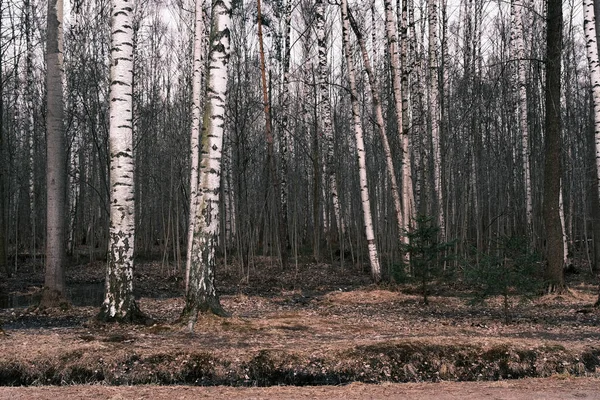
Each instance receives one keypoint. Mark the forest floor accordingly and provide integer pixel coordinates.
(314, 324)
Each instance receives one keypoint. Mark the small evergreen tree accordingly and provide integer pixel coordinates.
(512, 269)
(427, 254)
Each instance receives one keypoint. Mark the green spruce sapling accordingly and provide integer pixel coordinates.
(510, 269)
(427, 254)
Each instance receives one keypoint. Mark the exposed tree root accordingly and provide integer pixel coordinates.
(189, 315)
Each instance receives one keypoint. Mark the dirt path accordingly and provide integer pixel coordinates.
(526, 389)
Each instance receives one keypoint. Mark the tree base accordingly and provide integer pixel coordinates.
(52, 298)
(133, 316)
(189, 315)
(554, 288)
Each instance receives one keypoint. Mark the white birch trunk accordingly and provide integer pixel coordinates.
(197, 77)
(325, 106)
(434, 113)
(30, 123)
(360, 149)
(74, 178)
(392, 38)
(408, 196)
(561, 212)
(521, 83)
(379, 121)
(589, 22)
(119, 302)
(201, 294)
(283, 228)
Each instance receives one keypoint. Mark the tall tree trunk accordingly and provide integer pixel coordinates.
(392, 39)
(56, 175)
(119, 303)
(435, 114)
(325, 107)
(360, 148)
(552, 162)
(74, 181)
(29, 87)
(197, 97)
(287, 54)
(590, 24)
(269, 133)
(202, 294)
(520, 79)
(379, 121)
(407, 67)
(3, 261)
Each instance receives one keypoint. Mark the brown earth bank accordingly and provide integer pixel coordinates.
(560, 388)
(316, 324)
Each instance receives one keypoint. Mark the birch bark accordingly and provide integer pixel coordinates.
(202, 294)
(287, 53)
(590, 25)
(197, 81)
(520, 78)
(3, 260)
(30, 122)
(119, 303)
(360, 148)
(325, 106)
(589, 22)
(379, 121)
(396, 71)
(435, 115)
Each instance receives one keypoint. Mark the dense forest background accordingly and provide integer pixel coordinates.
(465, 114)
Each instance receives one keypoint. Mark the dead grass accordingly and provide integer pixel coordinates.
(303, 336)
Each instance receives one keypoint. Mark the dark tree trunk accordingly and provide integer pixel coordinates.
(3, 263)
(56, 174)
(552, 162)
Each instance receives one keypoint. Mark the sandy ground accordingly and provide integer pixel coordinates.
(526, 389)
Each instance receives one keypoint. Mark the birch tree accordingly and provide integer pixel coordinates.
(360, 147)
(56, 174)
(434, 114)
(284, 142)
(3, 261)
(29, 98)
(396, 71)
(197, 81)
(520, 78)
(119, 303)
(591, 42)
(325, 106)
(201, 294)
(589, 21)
(379, 121)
